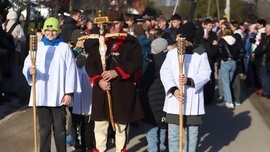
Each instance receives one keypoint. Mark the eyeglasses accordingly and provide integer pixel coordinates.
(50, 31)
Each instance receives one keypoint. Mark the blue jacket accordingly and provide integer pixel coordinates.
(146, 49)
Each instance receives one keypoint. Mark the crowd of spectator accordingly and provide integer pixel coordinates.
(236, 51)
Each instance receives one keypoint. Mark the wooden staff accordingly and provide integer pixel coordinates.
(181, 48)
(100, 20)
(33, 52)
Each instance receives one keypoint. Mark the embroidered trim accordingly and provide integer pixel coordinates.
(115, 53)
(93, 79)
(123, 74)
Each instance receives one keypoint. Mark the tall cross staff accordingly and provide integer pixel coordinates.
(100, 21)
(181, 48)
(33, 52)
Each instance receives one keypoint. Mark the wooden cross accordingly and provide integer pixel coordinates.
(100, 21)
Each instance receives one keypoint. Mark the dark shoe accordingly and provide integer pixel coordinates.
(265, 95)
(220, 99)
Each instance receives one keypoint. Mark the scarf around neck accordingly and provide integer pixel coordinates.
(54, 42)
(118, 42)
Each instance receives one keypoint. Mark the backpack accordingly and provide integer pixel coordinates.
(10, 37)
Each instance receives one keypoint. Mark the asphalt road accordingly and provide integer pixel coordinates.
(243, 129)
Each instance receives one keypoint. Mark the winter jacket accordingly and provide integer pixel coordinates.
(17, 33)
(153, 93)
(229, 42)
(262, 55)
(125, 57)
(68, 27)
(146, 49)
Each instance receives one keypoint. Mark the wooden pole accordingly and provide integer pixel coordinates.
(100, 20)
(181, 47)
(175, 7)
(208, 8)
(33, 51)
(218, 11)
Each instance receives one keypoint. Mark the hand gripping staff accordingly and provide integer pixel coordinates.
(181, 48)
(33, 52)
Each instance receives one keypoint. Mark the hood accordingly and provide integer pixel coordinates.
(229, 39)
(261, 30)
(239, 31)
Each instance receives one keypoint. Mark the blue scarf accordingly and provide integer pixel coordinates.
(54, 42)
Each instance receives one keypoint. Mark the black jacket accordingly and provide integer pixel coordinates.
(153, 93)
(4, 43)
(226, 50)
(262, 52)
(68, 27)
(211, 50)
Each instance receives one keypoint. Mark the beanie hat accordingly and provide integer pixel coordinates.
(158, 45)
(76, 34)
(138, 29)
(12, 15)
(115, 15)
(51, 23)
(188, 30)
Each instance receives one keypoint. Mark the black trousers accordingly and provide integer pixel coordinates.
(52, 118)
(86, 126)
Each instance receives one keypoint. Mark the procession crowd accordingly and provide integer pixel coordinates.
(108, 76)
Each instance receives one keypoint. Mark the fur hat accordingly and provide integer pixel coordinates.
(76, 34)
(12, 15)
(115, 15)
(158, 45)
(139, 29)
(51, 23)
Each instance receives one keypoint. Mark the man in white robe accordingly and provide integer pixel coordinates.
(196, 73)
(56, 81)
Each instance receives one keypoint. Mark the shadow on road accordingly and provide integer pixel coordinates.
(220, 127)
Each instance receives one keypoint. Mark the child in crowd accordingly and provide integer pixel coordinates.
(57, 80)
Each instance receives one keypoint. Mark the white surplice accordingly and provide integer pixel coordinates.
(82, 104)
(56, 74)
(196, 66)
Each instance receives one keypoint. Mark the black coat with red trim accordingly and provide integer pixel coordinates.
(126, 60)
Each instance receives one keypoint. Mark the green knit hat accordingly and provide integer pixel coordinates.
(51, 23)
